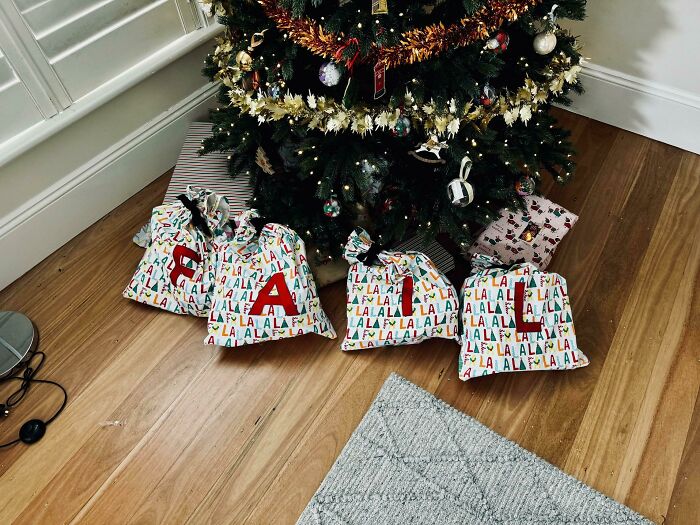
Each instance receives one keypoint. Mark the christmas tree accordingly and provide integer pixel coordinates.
(410, 116)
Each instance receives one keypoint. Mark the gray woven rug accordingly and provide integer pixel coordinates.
(414, 459)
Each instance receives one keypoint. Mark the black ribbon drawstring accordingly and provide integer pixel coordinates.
(258, 223)
(504, 266)
(198, 221)
(369, 257)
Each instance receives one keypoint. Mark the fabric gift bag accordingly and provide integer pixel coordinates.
(531, 235)
(402, 299)
(515, 318)
(177, 270)
(264, 288)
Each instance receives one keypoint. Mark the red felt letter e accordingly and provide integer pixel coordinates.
(283, 297)
(179, 253)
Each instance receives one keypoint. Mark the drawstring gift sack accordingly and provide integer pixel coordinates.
(515, 318)
(177, 270)
(264, 288)
(395, 298)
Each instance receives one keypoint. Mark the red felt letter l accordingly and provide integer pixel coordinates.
(407, 297)
(522, 326)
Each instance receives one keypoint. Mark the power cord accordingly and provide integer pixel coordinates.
(34, 429)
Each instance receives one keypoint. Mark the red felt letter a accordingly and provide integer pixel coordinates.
(522, 326)
(179, 253)
(283, 297)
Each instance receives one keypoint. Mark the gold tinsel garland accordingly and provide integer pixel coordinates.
(327, 115)
(415, 45)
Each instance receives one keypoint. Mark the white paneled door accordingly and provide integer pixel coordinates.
(55, 52)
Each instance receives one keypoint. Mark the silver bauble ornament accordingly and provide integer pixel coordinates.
(488, 95)
(545, 43)
(525, 185)
(274, 90)
(402, 127)
(329, 74)
(331, 208)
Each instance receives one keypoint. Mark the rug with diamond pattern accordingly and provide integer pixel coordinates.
(415, 460)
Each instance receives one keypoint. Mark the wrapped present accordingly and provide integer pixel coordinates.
(515, 318)
(530, 235)
(395, 298)
(328, 271)
(206, 171)
(264, 288)
(177, 271)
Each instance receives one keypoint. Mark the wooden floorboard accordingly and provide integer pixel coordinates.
(209, 435)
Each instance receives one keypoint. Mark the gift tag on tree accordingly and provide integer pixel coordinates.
(395, 298)
(515, 319)
(380, 7)
(379, 80)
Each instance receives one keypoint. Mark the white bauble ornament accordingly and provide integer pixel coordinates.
(460, 192)
(545, 43)
(329, 74)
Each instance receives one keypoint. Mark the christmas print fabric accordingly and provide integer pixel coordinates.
(177, 271)
(264, 288)
(516, 319)
(402, 299)
(530, 235)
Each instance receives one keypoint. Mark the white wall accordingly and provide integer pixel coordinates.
(61, 186)
(643, 75)
(644, 70)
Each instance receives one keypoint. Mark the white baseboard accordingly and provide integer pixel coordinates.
(57, 214)
(647, 108)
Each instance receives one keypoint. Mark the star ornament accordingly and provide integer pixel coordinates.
(433, 145)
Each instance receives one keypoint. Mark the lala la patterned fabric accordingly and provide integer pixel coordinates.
(403, 299)
(177, 271)
(516, 319)
(531, 235)
(264, 288)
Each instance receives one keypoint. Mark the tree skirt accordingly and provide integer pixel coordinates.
(414, 459)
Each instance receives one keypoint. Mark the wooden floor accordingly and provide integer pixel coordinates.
(209, 435)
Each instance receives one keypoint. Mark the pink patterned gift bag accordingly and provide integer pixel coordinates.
(177, 270)
(531, 235)
(515, 318)
(264, 288)
(395, 298)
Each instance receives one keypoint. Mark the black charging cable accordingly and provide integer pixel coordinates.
(34, 429)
